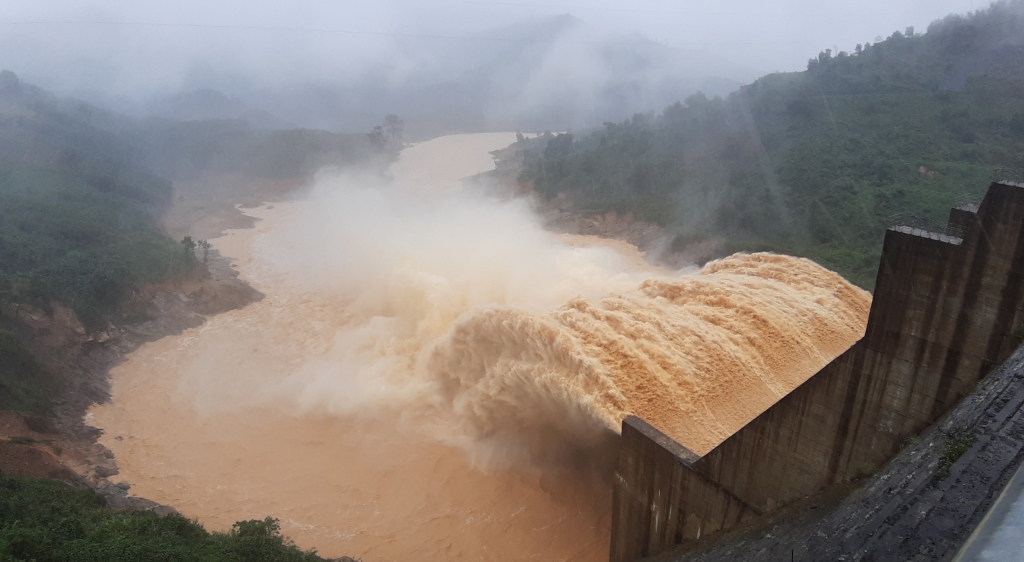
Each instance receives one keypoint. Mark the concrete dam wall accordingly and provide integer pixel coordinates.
(947, 309)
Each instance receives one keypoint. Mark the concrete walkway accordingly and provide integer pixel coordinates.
(911, 511)
(1000, 536)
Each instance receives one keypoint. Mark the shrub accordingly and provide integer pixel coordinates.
(45, 520)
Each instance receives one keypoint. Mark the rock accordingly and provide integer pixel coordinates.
(105, 471)
(164, 510)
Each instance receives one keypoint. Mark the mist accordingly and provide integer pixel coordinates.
(387, 279)
(523, 347)
(400, 266)
(444, 66)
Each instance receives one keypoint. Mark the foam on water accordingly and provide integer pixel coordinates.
(431, 374)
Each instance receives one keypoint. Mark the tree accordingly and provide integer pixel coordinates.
(520, 137)
(377, 138)
(204, 245)
(394, 127)
(559, 147)
(696, 100)
(25, 289)
(189, 247)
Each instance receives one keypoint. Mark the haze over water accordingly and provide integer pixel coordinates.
(361, 484)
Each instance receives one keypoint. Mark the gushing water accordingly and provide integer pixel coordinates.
(433, 375)
(697, 357)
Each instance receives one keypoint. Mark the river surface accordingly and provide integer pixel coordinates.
(433, 375)
(187, 432)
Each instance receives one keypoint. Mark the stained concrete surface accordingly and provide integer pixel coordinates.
(1000, 536)
(909, 510)
(946, 311)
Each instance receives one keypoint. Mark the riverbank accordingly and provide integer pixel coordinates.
(64, 445)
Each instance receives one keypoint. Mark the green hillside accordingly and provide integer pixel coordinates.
(82, 191)
(77, 214)
(814, 163)
(25, 386)
(188, 149)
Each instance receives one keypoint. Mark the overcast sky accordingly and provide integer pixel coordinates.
(135, 48)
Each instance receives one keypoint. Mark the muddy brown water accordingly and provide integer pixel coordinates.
(422, 356)
(359, 485)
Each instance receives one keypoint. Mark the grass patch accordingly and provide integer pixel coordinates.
(867, 469)
(957, 442)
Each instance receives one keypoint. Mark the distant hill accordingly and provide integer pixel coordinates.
(207, 104)
(576, 76)
(188, 149)
(82, 191)
(77, 212)
(553, 73)
(814, 163)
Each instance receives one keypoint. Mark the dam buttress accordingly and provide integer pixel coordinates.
(948, 308)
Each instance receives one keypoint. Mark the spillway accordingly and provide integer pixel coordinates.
(433, 375)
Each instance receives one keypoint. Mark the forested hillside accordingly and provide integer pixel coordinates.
(814, 163)
(187, 149)
(77, 214)
(82, 192)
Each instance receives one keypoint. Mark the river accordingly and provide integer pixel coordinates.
(187, 432)
(433, 375)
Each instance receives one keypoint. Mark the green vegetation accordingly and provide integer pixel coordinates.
(24, 385)
(81, 191)
(80, 201)
(815, 163)
(77, 217)
(957, 442)
(45, 521)
(189, 149)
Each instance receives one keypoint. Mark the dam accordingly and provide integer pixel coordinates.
(948, 308)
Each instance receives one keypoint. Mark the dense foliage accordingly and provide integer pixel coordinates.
(44, 521)
(81, 191)
(189, 149)
(24, 385)
(814, 163)
(77, 217)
